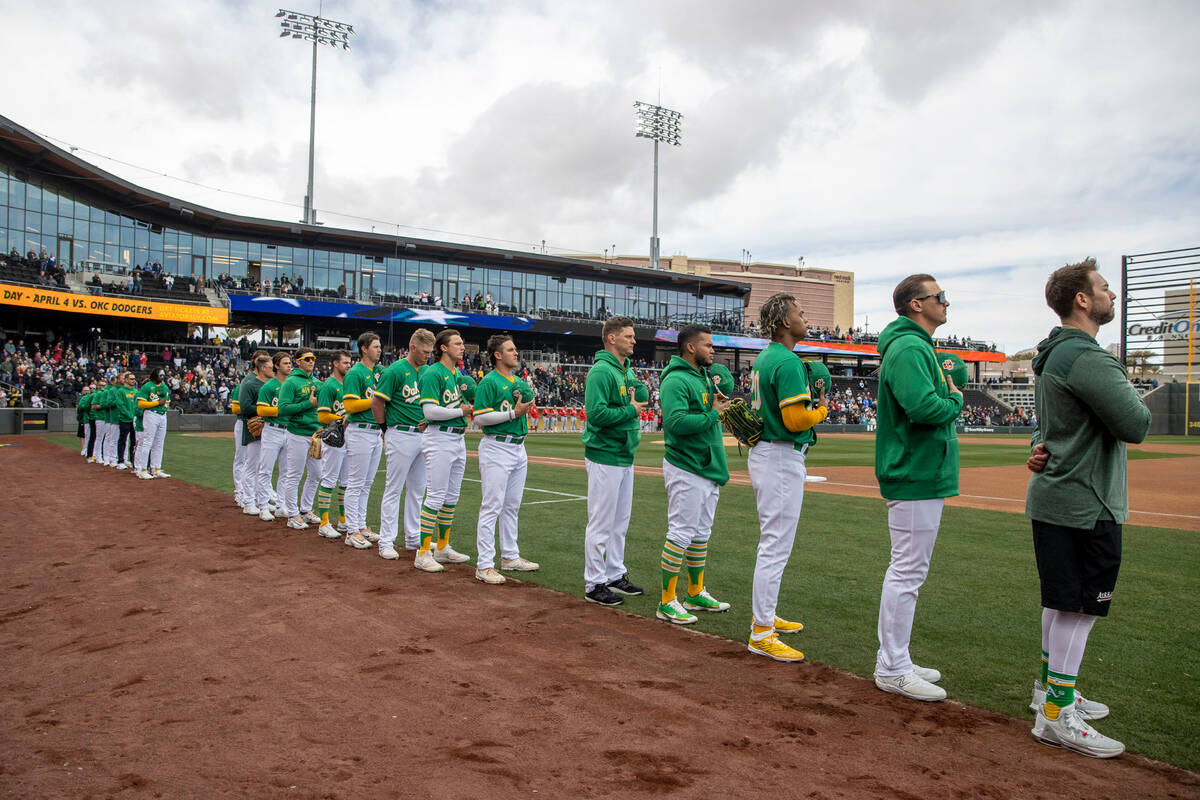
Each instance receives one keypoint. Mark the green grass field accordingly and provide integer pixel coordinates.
(979, 615)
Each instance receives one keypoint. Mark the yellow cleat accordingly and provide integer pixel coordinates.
(771, 647)
(784, 626)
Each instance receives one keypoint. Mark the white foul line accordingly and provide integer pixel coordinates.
(567, 496)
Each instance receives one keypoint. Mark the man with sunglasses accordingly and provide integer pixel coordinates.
(916, 463)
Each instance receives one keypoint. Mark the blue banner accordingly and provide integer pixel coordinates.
(752, 343)
(441, 317)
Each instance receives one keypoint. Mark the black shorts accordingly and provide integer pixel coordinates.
(1078, 566)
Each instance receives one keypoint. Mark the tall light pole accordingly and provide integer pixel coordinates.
(317, 30)
(659, 125)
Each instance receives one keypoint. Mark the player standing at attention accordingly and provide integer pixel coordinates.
(445, 452)
(154, 398)
(1078, 497)
(503, 402)
(780, 394)
(262, 370)
(312, 467)
(694, 468)
(126, 413)
(722, 380)
(916, 464)
(107, 405)
(83, 414)
(239, 455)
(274, 437)
(298, 406)
(362, 435)
(397, 404)
(333, 459)
(608, 447)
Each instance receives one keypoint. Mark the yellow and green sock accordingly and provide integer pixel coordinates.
(445, 520)
(1045, 667)
(339, 498)
(429, 520)
(324, 499)
(672, 561)
(1060, 693)
(697, 556)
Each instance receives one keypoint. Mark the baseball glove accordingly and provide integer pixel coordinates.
(742, 422)
(255, 424)
(333, 434)
(314, 445)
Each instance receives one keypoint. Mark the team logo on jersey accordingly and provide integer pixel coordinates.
(948, 364)
(704, 398)
(819, 383)
(622, 389)
(409, 393)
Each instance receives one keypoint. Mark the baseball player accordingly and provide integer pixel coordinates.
(1078, 497)
(274, 436)
(87, 428)
(312, 470)
(362, 438)
(239, 455)
(608, 447)
(916, 463)
(262, 370)
(445, 452)
(153, 399)
(397, 404)
(502, 404)
(334, 470)
(298, 412)
(126, 413)
(781, 396)
(106, 404)
(694, 468)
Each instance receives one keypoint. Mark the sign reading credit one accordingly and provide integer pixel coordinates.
(111, 306)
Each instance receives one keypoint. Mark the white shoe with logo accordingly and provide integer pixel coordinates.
(448, 555)
(389, 553)
(927, 673)
(297, 523)
(329, 532)
(912, 686)
(1071, 732)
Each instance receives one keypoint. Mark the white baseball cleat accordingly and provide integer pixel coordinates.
(448, 555)
(297, 523)
(489, 575)
(357, 541)
(250, 509)
(927, 673)
(912, 686)
(122, 466)
(389, 553)
(310, 517)
(144, 475)
(266, 516)
(519, 564)
(158, 473)
(280, 513)
(329, 532)
(426, 562)
(1070, 732)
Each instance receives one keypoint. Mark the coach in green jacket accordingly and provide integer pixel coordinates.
(916, 463)
(608, 446)
(1078, 497)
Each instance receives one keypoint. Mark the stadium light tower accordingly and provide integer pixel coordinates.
(317, 30)
(657, 124)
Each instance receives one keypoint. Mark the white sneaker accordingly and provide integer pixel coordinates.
(426, 562)
(158, 473)
(329, 532)
(310, 517)
(448, 555)
(1088, 709)
(144, 475)
(237, 501)
(519, 564)
(927, 673)
(357, 541)
(343, 527)
(389, 553)
(266, 516)
(911, 686)
(280, 513)
(489, 575)
(370, 535)
(250, 509)
(1070, 732)
(122, 466)
(297, 523)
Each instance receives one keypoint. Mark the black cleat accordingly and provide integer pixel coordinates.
(602, 596)
(622, 586)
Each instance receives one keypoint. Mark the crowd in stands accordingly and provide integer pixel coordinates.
(994, 416)
(37, 268)
(149, 279)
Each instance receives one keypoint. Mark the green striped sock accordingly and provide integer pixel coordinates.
(697, 556)
(672, 560)
(429, 518)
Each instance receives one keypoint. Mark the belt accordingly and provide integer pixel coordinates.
(404, 428)
(366, 426)
(272, 424)
(448, 429)
(507, 439)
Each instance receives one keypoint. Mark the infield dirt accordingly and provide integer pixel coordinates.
(156, 642)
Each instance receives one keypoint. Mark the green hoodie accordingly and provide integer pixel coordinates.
(612, 433)
(691, 430)
(126, 403)
(83, 409)
(1086, 412)
(916, 448)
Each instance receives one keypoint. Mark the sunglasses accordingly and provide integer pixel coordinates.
(307, 358)
(940, 297)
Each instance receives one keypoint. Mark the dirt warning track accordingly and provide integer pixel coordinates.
(157, 643)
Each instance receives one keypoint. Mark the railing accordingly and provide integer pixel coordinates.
(122, 271)
(11, 389)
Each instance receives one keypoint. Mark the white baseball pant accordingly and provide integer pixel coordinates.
(334, 467)
(150, 441)
(239, 464)
(271, 445)
(250, 453)
(913, 525)
(312, 479)
(360, 451)
(108, 444)
(691, 506)
(502, 470)
(445, 463)
(405, 472)
(291, 467)
(610, 503)
(777, 474)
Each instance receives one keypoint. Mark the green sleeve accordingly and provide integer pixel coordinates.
(352, 386)
(791, 383)
(264, 396)
(1098, 379)
(599, 391)
(144, 391)
(908, 378)
(679, 420)
(431, 387)
(485, 397)
(325, 396)
(290, 403)
(247, 399)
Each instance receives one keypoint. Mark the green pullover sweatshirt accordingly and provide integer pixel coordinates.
(1086, 412)
(83, 409)
(126, 403)
(612, 433)
(691, 430)
(916, 448)
(296, 411)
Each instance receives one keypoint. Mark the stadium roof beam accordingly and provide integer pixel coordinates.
(657, 124)
(319, 31)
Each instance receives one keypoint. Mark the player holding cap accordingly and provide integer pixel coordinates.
(502, 408)
(397, 404)
(239, 455)
(694, 468)
(916, 463)
(445, 452)
(608, 448)
(298, 406)
(334, 472)
(780, 394)
(362, 437)
(262, 370)
(154, 398)
(722, 380)
(1078, 497)
(274, 437)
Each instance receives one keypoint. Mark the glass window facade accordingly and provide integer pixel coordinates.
(34, 216)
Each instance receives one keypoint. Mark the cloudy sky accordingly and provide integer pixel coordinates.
(984, 142)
